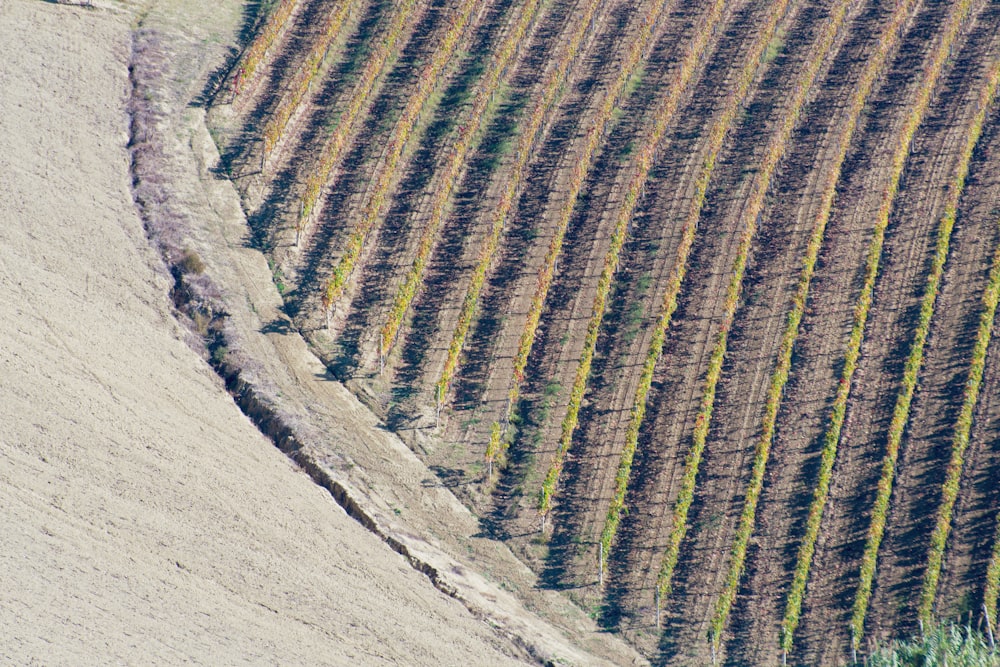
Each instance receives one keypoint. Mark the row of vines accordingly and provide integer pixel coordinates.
(376, 180)
(581, 167)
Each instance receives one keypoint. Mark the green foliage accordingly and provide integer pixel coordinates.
(703, 420)
(581, 168)
(192, 262)
(303, 78)
(273, 26)
(552, 91)
(754, 208)
(644, 163)
(993, 579)
(775, 46)
(468, 138)
(336, 141)
(428, 80)
(944, 646)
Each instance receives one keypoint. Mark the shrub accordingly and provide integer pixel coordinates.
(949, 645)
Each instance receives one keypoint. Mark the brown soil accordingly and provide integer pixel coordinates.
(724, 470)
(943, 378)
(587, 482)
(561, 336)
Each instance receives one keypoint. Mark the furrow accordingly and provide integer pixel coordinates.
(401, 23)
(376, 200)
(814, 427)
(793, 234)
(717, 135)
(302, 81)
(528, 140)
(753, 209)
(982, 101)
(247, 66)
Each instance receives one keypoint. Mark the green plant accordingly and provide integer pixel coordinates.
(219, 354)
(752, 211)
(774, 47)
(552, 91)
(993, 578)
(273, 26)
(303, 78)
(581, 167)
(944, 646)
(716, 137)
(376, 63)
(428, 80)
(191, 262)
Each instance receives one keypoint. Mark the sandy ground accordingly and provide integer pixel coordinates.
(145, 520)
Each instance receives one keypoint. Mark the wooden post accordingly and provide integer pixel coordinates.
(656, 596)
(298, 223)
(600, 565)
(989, 626)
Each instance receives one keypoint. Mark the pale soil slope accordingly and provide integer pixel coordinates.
(144, 519)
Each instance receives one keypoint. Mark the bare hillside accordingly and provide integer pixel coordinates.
(145, 520)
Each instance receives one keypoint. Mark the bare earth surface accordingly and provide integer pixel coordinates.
(145, 519)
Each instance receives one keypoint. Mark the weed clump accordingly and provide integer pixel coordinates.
(948, 644)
